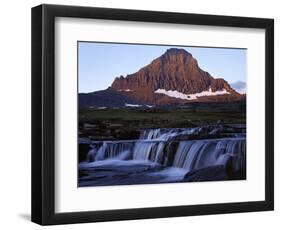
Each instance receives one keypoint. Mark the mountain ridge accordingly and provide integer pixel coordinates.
(173, 78)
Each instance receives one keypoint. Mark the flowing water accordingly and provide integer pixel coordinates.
(160, 155)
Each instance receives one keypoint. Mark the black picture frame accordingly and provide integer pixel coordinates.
(43, 114)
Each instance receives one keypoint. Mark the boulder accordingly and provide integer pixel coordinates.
(212, 173)
(83, 150)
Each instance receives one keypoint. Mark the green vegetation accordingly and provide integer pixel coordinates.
(126, 123)
(156, 118)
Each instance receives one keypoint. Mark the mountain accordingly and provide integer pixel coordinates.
(239, 86)
(173, 78)
(105, 98)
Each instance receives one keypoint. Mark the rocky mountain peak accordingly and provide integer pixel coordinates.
(175, 70)
(174, 56)
(176, 52)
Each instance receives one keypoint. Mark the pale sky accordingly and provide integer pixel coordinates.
(100, 63)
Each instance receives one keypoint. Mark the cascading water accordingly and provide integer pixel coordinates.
(198, 154)
(150, 134)
(144, 150)
(207, 153)
(194, 154)
(166, 134)
(113, 149)
(181, 153)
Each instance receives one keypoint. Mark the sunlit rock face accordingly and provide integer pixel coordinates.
(175, 71)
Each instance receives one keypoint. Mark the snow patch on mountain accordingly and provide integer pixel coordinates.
(132, 105)
(176, 94)
(126, 90)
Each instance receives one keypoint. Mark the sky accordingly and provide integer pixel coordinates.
(100, 63)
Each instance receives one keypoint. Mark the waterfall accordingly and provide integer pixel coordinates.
(148, 150)
(111, 149)
(181, 153)
(198, 154)
(153, 145)
(92, 154)
(159, 158)
(150, 134)
(166, 134)
(145, 150)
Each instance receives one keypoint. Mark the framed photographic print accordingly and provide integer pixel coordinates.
(142, 114)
